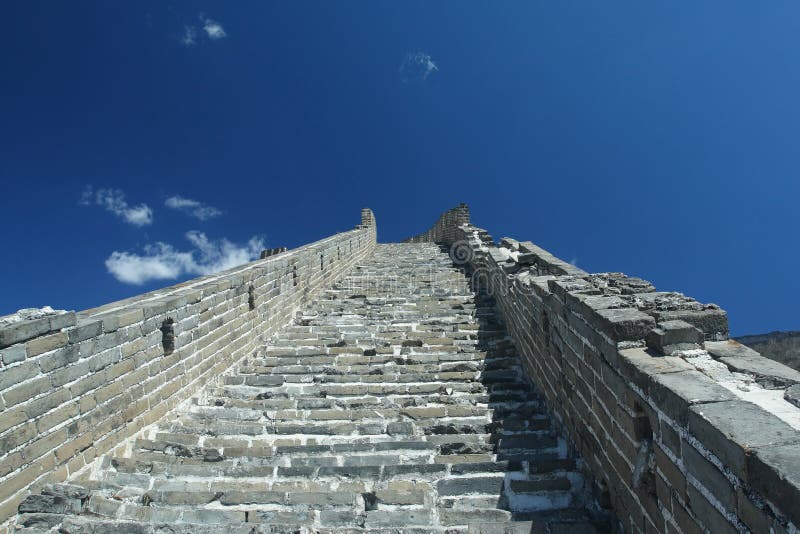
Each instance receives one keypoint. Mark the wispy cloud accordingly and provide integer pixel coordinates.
(416, 67)
(162, 261)
(195, 208)
(113, 200)
(213, 29)
(189, 36)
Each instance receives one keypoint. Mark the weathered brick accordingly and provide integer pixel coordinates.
(86, 384)
(709, 476)
(676, 393)
(11, 418)
(11, 376)
(774, 471)
(733, 430)
(672, 473)
(707, 515)
(26, 390)
(62, 376)
(44, 445)
(13, 354)
(59, 358)
(23, 331)
(43, 404)
(58, 416)
(47, 343)
(85, 329)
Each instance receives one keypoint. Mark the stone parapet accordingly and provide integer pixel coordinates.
(679, 428)
(74, 386)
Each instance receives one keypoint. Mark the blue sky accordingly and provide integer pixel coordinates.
(660, 140)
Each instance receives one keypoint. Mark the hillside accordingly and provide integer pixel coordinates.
(782, 347)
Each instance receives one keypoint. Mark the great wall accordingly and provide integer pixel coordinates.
(450, 383)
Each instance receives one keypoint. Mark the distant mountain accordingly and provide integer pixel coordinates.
(783, 347)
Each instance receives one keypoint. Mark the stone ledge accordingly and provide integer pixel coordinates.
(676, 394)
(733, 430)
(768, 373)
(774, 471)
(26, 330)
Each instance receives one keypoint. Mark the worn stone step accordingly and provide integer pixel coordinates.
(231, 498)
(191, 424)
(465, 517)
(159, 463)
(523, 423)
(92, 525)
(526, 441)
(385, 375)
(358, 389)
(389, 367)
(421, 414)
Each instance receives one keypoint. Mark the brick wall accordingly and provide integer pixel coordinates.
(445, 228)
(680, 429)
(74, 386)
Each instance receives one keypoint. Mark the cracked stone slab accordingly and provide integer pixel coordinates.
(767, 373)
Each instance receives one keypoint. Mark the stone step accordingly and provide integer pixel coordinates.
(191, 423)
(523, 441)
(395, 365)
(386, 375)
(462, 477)
(218, 397)
(346, 359)
(419, 414)
(361, 389)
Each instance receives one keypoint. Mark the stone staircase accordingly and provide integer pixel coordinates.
(395, 404)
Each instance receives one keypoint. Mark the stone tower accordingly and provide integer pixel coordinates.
(446, 384)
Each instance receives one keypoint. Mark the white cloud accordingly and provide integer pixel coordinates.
(113, 200)
(213, 29)
(195, 208)
(416, 67)
(162, 261)
(189, 36)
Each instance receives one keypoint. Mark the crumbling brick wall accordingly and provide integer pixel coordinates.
(640, 383)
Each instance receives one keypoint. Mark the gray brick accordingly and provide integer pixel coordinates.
(23, 331)
(11, 376)
(675, 393)
(85, 329)
(732, 430)
(13, 354)
(775, 472)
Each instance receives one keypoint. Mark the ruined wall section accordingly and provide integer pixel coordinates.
(74, 386)
(444, 231)
(679, 428)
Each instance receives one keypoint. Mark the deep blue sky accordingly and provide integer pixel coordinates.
(658, 139)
